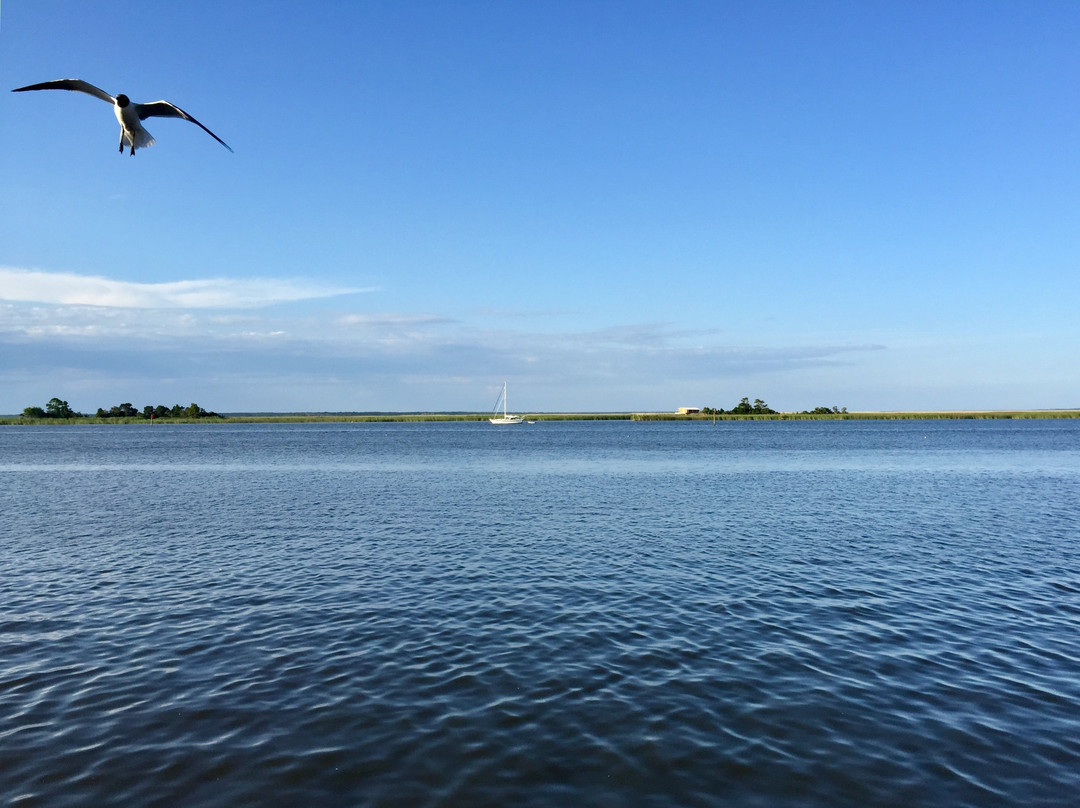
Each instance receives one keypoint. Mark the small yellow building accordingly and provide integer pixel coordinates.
(688, 410)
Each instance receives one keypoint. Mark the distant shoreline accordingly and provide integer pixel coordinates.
(435, 417)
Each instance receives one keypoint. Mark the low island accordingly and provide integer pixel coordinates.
(58, 411)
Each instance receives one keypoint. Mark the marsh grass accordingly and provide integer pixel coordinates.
(420, 417)
(865, 416)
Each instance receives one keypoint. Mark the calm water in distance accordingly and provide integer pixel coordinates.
(568, 613)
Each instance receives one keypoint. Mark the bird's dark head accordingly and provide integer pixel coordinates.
(122, 100)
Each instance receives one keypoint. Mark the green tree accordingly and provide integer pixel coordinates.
(743, 407)
(125, 410)
(34, 412)
(56, 408)
(826, 411)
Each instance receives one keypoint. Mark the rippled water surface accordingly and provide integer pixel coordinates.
(607, 613)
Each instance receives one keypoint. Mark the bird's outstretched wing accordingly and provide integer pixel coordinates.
(163, 109)
(70, 84)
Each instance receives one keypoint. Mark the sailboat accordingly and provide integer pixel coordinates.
(504, 419)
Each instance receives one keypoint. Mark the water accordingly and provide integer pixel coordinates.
(595, 614)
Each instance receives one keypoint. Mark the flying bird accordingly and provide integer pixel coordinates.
(130, 115)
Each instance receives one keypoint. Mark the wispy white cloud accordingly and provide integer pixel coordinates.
(70, 289)
(322, 359)
(102, 326)
(375, 319)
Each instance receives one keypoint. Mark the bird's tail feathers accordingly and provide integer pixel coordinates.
(142, 138)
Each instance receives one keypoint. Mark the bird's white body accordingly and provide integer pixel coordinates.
(129, 115)
(132, 133)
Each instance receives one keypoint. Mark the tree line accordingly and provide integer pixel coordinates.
(744, 407)
(58, 408)
(759, 407)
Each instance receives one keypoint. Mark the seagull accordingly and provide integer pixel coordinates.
(130, 115)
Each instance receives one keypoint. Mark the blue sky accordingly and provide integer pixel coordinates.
(612, 205)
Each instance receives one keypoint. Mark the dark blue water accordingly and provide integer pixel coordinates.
(595, 614)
